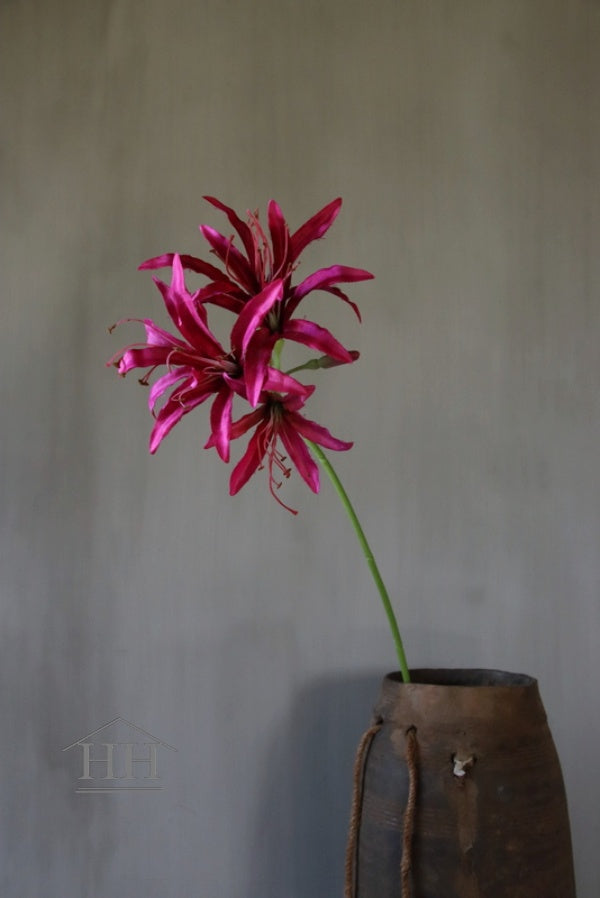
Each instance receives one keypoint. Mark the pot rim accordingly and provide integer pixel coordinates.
(475, 677)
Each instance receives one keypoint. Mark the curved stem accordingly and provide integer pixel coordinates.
(369, 557)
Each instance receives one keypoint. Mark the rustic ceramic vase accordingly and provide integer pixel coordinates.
(467, 756)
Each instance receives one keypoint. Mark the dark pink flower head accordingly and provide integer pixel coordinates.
(255, 282)
(197, 366)
(277, 421)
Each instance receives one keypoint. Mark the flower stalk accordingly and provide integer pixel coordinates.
(368, 554)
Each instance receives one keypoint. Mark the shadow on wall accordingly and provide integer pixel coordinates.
(304, 805)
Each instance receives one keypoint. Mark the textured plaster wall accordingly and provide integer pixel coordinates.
(464, 138)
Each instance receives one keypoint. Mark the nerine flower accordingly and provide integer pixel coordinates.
(277, 420)
(198, 367)
(255, 283)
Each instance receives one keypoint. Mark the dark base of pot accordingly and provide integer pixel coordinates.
(490, 818)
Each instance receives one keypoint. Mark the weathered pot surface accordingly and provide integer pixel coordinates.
(490, 818)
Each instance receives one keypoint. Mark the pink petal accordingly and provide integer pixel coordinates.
(314, 228)
(190, 262)
(157, 336)
(225, 294)
(240, 226)
(343, 296)
(280, 237)
(293, 402)
(189, 318)
(316, 433)
(249, 462)
(220, 422)
(168, 380)
(170, 415)
(324, 279)
(166, 420)
(310, 334)
(253, 313)
(279, 382)
(231, 257)
(299, 454)
(142, 357)
(246, 422)
(235, 384)
(256, 362)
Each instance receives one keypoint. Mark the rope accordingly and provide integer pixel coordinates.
(357, 790)
(357, 799)
(409, 814)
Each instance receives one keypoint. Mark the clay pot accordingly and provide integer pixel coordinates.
(490, 816)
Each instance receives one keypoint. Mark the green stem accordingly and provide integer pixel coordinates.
(369, 557)
(276, 355)
(311, 365)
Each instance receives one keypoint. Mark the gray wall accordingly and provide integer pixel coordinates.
(464, 138)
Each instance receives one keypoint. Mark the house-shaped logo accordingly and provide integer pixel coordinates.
(117, 757)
